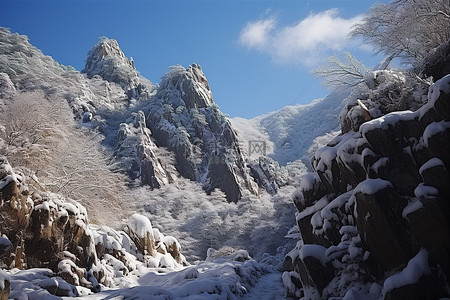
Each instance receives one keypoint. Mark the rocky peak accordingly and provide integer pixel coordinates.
(192, 83)
(107, 60)
(183, 117)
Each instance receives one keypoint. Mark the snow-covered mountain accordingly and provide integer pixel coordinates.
(290, 133)
(108, 143)
(111, 186)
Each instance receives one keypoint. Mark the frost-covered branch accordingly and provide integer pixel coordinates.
(406, 29)
(337, 73)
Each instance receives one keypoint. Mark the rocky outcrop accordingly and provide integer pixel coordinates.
(138, 153)
(192, 83)
(183, 118)
(46, 230)
(107, 60)
(375, 212)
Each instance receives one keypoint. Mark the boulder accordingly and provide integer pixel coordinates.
(314, 270)
(139, 228)
(377, 212)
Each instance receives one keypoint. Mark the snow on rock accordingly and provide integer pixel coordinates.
(383, 92)
(108, 60)
(140, 226)
(440, 86)
(140, 230)
(434, 129)
(417, 267)
(316, 251)
(183, 117)
(431, 164)
(139, 155)
(49, 230)
(372, 186)
(386, 185)
(425, 191)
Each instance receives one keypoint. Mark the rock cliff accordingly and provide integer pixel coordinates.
(45, 230)
(107, 60)
(374, 215)
(183, 117)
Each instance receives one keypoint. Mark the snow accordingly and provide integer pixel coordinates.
(3, 277)
(44, 206)
(217, 279)
(434, 91)
(199, 221)
(434, 129)
(293, 130)
(387, 121)
(316, 251)
(269, 287)
(287, 282)
(140, 225)
(372, 186)
(425, 191)
(314, 208)
(412, 207)
(434, 162)
(416, 267)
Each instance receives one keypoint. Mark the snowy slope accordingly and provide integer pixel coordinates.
(291, 131)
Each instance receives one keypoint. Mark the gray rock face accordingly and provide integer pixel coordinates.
(108, 60)
(192, 84)
(382, 194)
(136, 151)
(183, 118)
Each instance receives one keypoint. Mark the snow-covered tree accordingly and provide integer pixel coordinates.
(407, 29)
(337, 73)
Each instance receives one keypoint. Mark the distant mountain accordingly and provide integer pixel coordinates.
(290, 132)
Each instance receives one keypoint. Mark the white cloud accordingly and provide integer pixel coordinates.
(307, 41)
(256, 34)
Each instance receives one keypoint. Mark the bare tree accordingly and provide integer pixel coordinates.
(81, 169)
(40, 135)
(338, 73)
(26, 120)
(407, 29)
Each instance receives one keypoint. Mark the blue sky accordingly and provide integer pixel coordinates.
(255, 54)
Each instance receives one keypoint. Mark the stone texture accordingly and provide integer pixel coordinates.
(137, 153)
(183, 117)
(108, 60)
(388, 182)
(46, 230)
